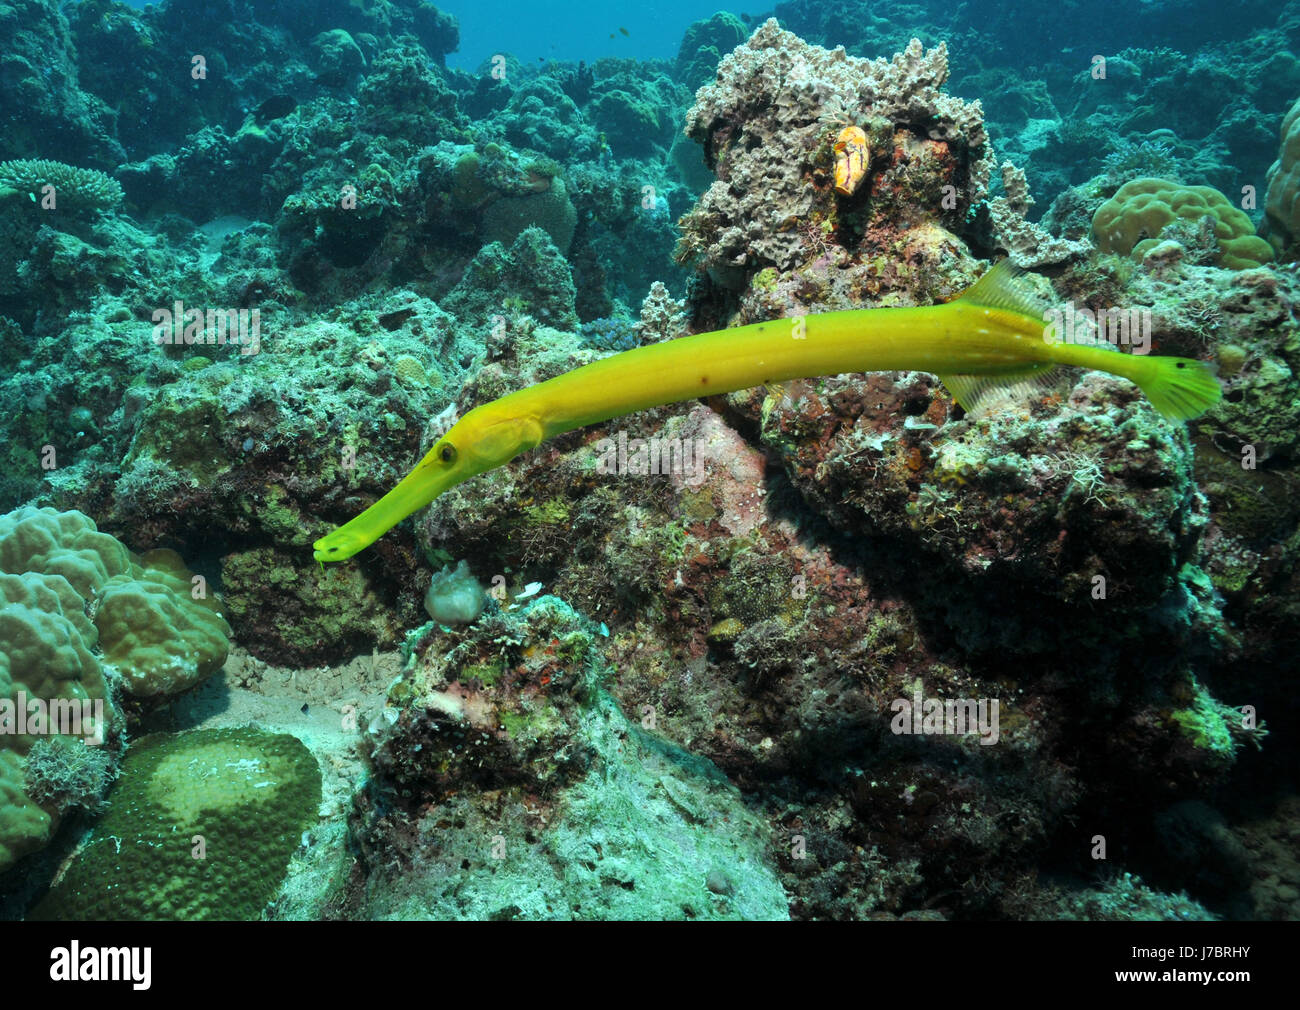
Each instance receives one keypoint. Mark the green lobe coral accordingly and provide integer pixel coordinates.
(246, 794)
(56, 568)
(1133, 220)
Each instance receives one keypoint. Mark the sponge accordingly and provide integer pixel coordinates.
(455, 597)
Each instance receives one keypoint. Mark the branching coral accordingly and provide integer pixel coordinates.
(76, 189)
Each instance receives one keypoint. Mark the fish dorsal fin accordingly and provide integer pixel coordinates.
(1002, 288)
(1020, 382)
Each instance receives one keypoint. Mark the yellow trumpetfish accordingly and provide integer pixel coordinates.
(992, 335)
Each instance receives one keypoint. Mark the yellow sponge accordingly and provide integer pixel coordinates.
(1131, 222)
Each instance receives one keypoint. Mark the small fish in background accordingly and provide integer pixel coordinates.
(622, 31)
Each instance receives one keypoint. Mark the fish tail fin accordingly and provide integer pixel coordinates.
(1179, 388)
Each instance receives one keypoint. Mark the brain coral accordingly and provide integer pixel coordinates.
(1132, 221)
(1282, 201)
(56, 568)
(202, 826)
(74, 188)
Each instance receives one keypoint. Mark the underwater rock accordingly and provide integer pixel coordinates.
(828, 557)
(541, 117)
(505, 219)
(662, 316)
(336, 58)
(501, 733)
(530, 276)
(1029, 245)
(760, 128)
(704, 45)
(46, 110)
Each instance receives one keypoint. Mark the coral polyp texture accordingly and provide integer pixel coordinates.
(81, 189)
(1282, 200)
(201, 826)
(157, 626)
(85, 623)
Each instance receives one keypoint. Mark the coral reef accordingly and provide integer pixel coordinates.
(832, 648)
(543, 789)
(158, 627)
(704, 45)
(1282, 200)
(87, 627)
(76, 188)
(755, 214)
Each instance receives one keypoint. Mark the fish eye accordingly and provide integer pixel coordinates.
(447, 453)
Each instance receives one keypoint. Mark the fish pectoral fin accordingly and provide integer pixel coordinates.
(1019, 381)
